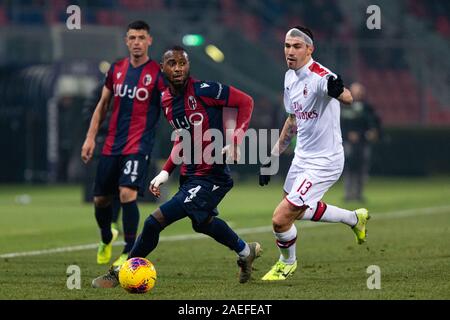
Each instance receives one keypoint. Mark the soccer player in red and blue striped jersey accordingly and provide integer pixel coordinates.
(134, 84)
(191, 105)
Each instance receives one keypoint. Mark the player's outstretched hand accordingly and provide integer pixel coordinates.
(264, 178)
(157, 181)
(335, 86)
(87, 151)
(232, 152)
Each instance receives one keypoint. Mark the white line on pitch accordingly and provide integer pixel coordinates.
(306, 224)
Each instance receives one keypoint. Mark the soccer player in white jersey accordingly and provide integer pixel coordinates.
(311, 97)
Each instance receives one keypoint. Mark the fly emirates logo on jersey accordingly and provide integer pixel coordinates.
(304, 115)
(121, 90)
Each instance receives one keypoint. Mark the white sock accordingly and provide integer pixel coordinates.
(328, 213)
(245, 252)
(286, 242)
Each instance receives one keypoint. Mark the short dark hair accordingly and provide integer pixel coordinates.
(305, 30)
(139, 25)
(174, 48)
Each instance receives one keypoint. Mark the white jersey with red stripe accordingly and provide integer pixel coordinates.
(319, 138)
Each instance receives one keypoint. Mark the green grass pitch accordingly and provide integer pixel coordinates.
(408, 239)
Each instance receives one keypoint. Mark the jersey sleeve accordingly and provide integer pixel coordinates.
(213, 93)
(287, 102)
(176, 151)
(109, 78)
(161, 84)
(286, 96)
(322, 83)
(244, 103)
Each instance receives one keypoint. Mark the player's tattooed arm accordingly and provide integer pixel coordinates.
(287, 133)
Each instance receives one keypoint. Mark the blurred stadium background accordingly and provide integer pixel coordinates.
(49, 74)
(49, 82)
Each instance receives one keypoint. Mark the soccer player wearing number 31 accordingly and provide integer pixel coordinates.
(134, 84)
(311, 97)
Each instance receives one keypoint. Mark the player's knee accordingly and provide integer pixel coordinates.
(280, 220)
(152, 225)
(285, 215)
(102, 201)
(127, 194)
(202, 226)
(279, 224)
(197, 227)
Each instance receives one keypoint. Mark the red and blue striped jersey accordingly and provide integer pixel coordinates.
(136, 107)
(201, 106)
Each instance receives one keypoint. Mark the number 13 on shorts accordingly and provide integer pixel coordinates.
(304, 187)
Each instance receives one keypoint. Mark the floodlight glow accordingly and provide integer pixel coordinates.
(214, 53)
(193, 40)
(104, 66)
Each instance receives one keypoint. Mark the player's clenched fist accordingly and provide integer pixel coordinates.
(232, 152)
(87, 151)
(160, 179)
(335, 86)
(264, 178)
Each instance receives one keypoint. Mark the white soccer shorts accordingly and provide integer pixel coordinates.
(308, 186)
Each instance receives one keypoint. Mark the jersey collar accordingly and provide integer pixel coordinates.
(140, 66)
(304, 71)
(189, 81)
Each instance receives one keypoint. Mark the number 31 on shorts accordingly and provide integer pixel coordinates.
(304, 187)
(131, 167)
